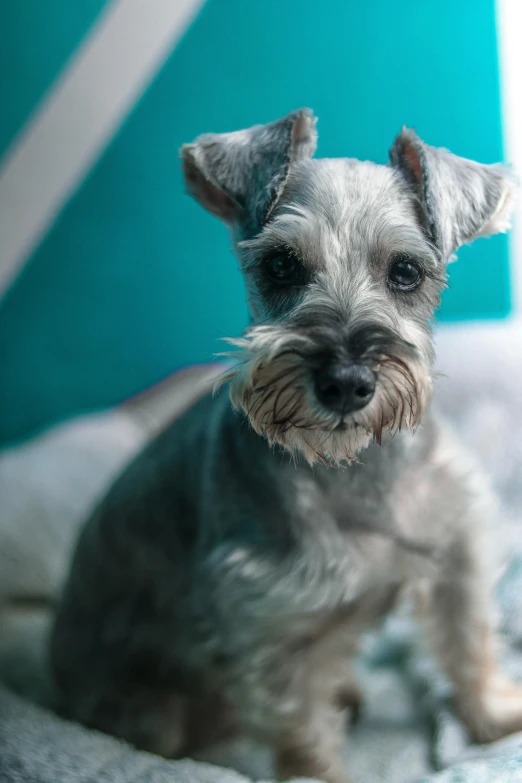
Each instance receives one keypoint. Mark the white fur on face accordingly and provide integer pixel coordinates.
(272, 385)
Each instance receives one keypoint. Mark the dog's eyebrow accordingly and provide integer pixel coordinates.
(405, 239)
(285, 230)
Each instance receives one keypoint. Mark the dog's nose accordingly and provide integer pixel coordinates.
(344, 388)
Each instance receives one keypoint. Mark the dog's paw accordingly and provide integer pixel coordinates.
(310, 763)
(499, 711)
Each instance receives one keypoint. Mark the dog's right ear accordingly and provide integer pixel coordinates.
(240, 176)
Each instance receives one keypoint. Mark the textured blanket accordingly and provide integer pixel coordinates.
(407, 732)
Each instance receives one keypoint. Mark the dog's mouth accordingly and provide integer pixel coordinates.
(344, 426)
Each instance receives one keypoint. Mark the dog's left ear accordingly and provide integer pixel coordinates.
(459, 199)
(239, 176)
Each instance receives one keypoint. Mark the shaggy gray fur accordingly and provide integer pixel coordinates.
(224, 577)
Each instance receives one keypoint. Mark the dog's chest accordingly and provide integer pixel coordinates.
(344, 553)
(334, 588)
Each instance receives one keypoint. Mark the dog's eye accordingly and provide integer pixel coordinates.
(284, 268)
(404, 273)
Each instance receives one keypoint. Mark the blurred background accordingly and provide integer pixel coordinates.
(111, 278)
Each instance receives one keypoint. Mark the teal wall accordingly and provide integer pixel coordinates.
(133, 280)
(36, 37)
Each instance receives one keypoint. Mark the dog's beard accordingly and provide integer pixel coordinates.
(271, 384)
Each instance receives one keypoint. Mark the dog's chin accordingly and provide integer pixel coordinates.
(333, 447)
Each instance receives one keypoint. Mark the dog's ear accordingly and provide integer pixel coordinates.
(459, 199)
(239, 176)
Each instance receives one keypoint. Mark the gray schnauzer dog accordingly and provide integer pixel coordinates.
(227, 577)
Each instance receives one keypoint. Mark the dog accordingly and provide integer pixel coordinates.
(225, 580)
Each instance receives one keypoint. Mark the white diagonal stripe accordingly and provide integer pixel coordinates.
(509, 25)
(79, 116)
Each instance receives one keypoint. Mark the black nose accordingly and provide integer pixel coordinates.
(344, 388)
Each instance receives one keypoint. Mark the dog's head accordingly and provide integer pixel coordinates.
(344, 262)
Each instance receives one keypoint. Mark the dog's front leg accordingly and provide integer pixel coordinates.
(287, 695)
(458, 610)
